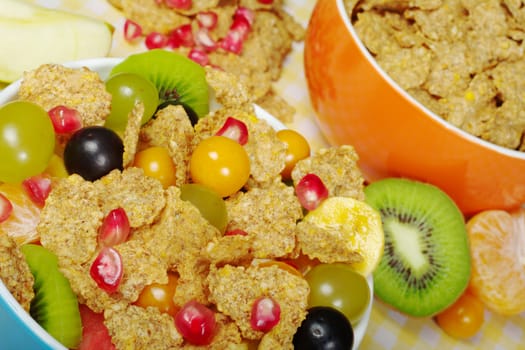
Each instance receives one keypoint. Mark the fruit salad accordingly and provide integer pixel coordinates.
(177, 219)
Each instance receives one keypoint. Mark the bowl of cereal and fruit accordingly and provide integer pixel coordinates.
(154, 208)
(430, 90)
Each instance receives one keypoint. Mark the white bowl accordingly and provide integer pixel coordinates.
(19, 330)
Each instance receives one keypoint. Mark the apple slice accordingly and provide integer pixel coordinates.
(31, 35)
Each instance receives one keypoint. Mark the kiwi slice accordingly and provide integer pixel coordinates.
(426, 265)
(55, 306)
(178, 79)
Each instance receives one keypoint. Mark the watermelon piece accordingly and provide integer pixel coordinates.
(95, 335)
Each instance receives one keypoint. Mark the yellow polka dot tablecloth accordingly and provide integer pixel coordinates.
(387, 329)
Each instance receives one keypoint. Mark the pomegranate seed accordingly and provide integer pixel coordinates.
(181, 36)
(106, 270)
(236, 232)
(242, 26)
(174, 41)
(115, 228)
(6, 208)
(207, 19)
(266, 314)
(232, 42)
(65, 120)
(132, 30)
(311, 191)
(266, 2)
(203, 38)
(196, 323)
(234, 129)
(156, 40)
(199, 55)
(37, 187)
(245, 13)
(178, 4)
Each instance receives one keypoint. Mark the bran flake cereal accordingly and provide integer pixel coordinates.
(288, 290)
(327, 244)
(461, 59)
(231, 249)
(15, 273)
(134, 327)
(70, 219)
(52, 85)
(269, 215)
(131, 134)
(337, 168)
(142, 197)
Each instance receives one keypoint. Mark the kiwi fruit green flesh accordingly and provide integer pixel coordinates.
(55, 305)
(178, 79)
(426, 264)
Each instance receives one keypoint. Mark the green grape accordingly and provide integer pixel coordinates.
(127, 89)
(209, 203)
(27, 140)
(339, 286)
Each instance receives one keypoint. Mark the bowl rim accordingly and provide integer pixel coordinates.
(103, 66)
(27, 321)
(454, 129)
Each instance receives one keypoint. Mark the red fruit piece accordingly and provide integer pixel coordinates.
(178, 4)
(65, 120)
(132, 30)
(266, 314)
(236, 232)
(107, 269)
(37, 188)
(115, 228)
(203, 39)
(156, 40)
(181, 36)
(232, 42)
(207, 19)
(311, 191)
(244, 13)
(196, 323)
(234, 129)
(6, 208)
(266, 2)
(239, 30)
(95, 335)
(199, 55)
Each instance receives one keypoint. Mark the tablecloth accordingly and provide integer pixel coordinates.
(387, 329)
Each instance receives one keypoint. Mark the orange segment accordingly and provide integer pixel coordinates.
(497, 240)
(21, 225)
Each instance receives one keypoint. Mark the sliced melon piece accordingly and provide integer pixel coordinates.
(31, 35)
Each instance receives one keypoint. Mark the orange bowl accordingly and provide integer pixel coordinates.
(357, 103)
